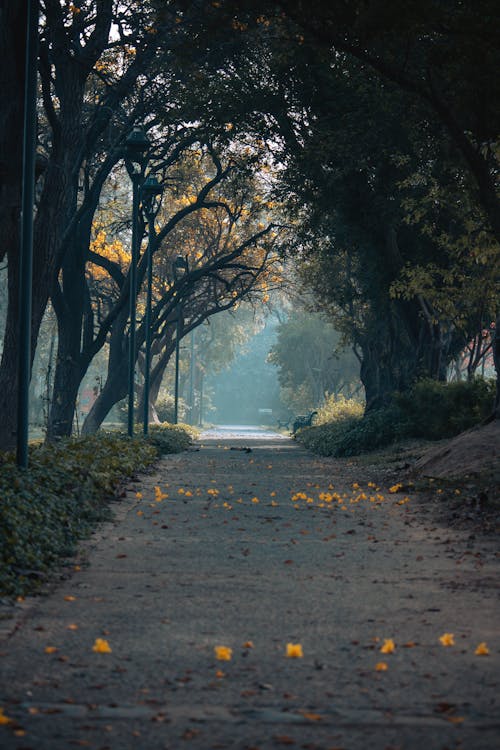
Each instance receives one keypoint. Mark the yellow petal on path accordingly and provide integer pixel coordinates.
(3, 718)
(73, 626)
(50, 649)
(447, 639)
(482, 650)
(294, 651)
(101, 646)
(220, 674)
(223, 653)
(311, 716)
(388, 646)
(381, 666)
(70, 598)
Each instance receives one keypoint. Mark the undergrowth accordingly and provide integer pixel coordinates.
(64, 493)
(431, 410)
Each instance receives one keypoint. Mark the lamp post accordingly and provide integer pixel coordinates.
(151, 200)
(136, 146)
(26, 249)
(180, 269)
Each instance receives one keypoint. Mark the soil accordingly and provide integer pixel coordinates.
(472, 453)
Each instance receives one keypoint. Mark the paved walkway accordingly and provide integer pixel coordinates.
(251, 543)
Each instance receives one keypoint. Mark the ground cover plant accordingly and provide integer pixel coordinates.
(64, 493)
(431, 410)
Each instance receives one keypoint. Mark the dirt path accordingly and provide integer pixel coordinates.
(221, 555)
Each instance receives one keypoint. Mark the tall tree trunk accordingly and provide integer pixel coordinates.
(115, 387)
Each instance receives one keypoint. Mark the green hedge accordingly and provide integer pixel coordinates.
(60, 498)
(431, 410)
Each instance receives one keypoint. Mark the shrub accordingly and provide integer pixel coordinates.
(171, 438)
(339, 407)
(431, 410)
(165, 408)
(442, 410)
(47, 508)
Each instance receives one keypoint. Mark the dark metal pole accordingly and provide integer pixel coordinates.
(133, 301)
(149, 294)
(177, 349)
(26, 254)
(191, 379)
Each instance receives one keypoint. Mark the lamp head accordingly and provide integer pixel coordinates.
(136, 145)
(180, 267)
(151, 193)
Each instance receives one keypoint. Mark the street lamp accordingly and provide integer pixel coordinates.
(180, 269)
(26, 244)
(135, 149)
(151, 200)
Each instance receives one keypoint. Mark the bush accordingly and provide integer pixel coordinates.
(165, 409)
(171, 438)
(441, 410)
(431, 410)
(58, 500)
(338, 407)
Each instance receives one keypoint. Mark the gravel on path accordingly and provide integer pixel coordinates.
(250, 543)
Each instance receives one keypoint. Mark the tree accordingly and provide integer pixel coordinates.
(311, 362)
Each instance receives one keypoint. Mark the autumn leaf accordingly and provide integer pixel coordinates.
(447, 639)
(223, 653)
(3, 718)
(101, 646)
(388, 646)
(381, 666)
(395, 488)
(294, 651)
(248, 644)
(70, 598)
(311, 716)
(50, 649)
(482, 650)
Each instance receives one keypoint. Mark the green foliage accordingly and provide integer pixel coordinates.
(337, 408)
(441, 410)
(311, 361)
(431, 410)
(58, 500)
(171, 438)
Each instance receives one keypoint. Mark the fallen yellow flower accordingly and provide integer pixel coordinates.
(223, 653)
(3, 718)
(447, 639)
(294, 651)
(388, 646)
(395, 488)
(101, 646)
(255, 500)
(482, 650)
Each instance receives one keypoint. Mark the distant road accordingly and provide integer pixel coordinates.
(240, 432)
